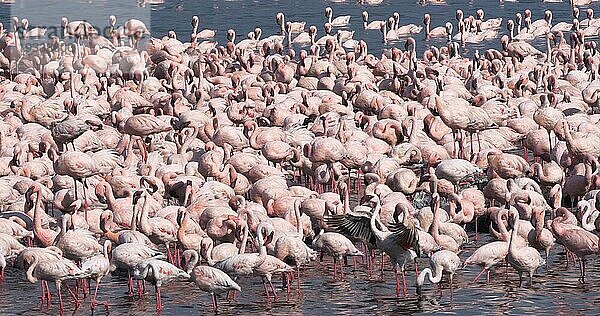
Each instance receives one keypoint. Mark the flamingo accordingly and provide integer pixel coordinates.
(97, 267)
(397, 241)
(135, 30)
(576, 239)
(57, 271)
(440, 261)
(525, 258)
(157, 272)
(126, 256)
(342, 20)
(488, 256)
(246, 263)
(207, 278)
(337, 246)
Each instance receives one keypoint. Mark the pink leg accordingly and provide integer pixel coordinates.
(130, 283)
(416, 267)
(480, 273)
(158, 299)
(73, 295)
(405, 289)
(266, 291)
(139, 288)
(48, 296)
(354, 259)
(85, 287)
(488, 276)
(214, 299)
(59, 297)
(362, 248)
(43, 291)
(342, 270)
(93, 304)
(273, 289)
(169, 257)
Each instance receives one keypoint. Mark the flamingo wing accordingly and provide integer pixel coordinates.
(407, 235)
(357, 226)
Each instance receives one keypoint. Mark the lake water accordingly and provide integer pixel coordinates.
(554, 291)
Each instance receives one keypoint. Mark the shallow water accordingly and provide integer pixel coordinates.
(553, 291)
(244, 15)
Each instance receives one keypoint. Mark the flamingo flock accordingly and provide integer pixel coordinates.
(170, 159)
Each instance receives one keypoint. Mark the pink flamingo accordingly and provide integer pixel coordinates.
(576, 239)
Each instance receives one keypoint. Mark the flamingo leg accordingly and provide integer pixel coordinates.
(93, 304)
(520, 278)
(265, 287)
(416, 267)
(75, 188)
(341, 270)
(85, 287)
(272, 289)
(480, 273)
(85, 201)
(354, 260)
(404, 287)
(139, 287)
(478, 141)
(471, 140)
(130, 284)
(359, 182)
(581, 270)
(159, 306)
(333, 184)
(43, 291)
(59, 296)
(214, 301)
(73, 295)
(488, 276)
(47, 291)
(362, 248)
(451, 289)
(334, 268)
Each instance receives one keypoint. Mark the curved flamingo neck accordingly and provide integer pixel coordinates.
(379, 234)
(244, 241)
(512, 246)
(30, 277)
(145, 227)
(193, 261)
